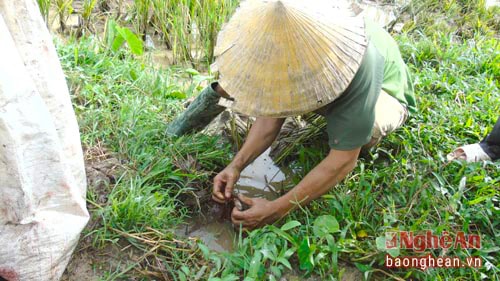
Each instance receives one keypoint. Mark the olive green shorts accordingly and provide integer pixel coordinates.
(390, 114)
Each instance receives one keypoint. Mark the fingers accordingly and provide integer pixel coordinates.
(237, 222)
(245, 219)
(217, 194)
(229, 187)
(246, 200)
(224, 184)
(218, 200)
(240, 223)
(240, 226)
(243, 226)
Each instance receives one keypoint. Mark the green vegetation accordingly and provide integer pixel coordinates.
(188, 27)
(88, 7)
(44, 6)
(125, 104)
(63, 9)
(405, 184)
(116, 36)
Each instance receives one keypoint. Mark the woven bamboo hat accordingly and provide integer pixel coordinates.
(281, 58)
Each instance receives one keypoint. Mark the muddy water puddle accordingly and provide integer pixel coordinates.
(261, 179)
(218, 235)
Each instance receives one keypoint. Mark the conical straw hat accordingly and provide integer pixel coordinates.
(284, 58)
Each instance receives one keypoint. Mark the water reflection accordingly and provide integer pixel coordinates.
(261, 179)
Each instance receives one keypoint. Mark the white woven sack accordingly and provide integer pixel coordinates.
(42, 177)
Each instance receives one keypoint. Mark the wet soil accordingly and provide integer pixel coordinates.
(261, 179)
(89, 263)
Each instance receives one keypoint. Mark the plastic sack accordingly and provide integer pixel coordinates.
(42, 176)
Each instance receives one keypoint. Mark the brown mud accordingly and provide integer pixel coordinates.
(89, 263)
(261, 179)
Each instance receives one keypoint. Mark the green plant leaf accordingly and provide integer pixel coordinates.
(230, 277)
(268, 253)
(285, 262)
(200, 273)
(363, 267)
(255, 265)
(135, 44)
(110, 33)
(289, 225)
(283, 235)
(177, 94)
(304, 252)
(324, 225)
(361, 234)
(192, 71)
(289, 253)
(380, 242)
(276, 271)
(204, 249)
(117, 42)
(182, 276)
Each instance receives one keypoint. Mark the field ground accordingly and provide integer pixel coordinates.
(144, 185)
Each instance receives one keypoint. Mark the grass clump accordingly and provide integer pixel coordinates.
(124, 105)
(87, 9)
(44, 6)
(64, 9)
(188, 27)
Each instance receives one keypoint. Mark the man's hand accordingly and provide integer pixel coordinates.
(224, 184)
(261, 212)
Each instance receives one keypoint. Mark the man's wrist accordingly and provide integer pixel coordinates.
(282, 206)
(237, 165)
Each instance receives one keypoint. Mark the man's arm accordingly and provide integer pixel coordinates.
(333, 169)
(262, 134)
(317, 182)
